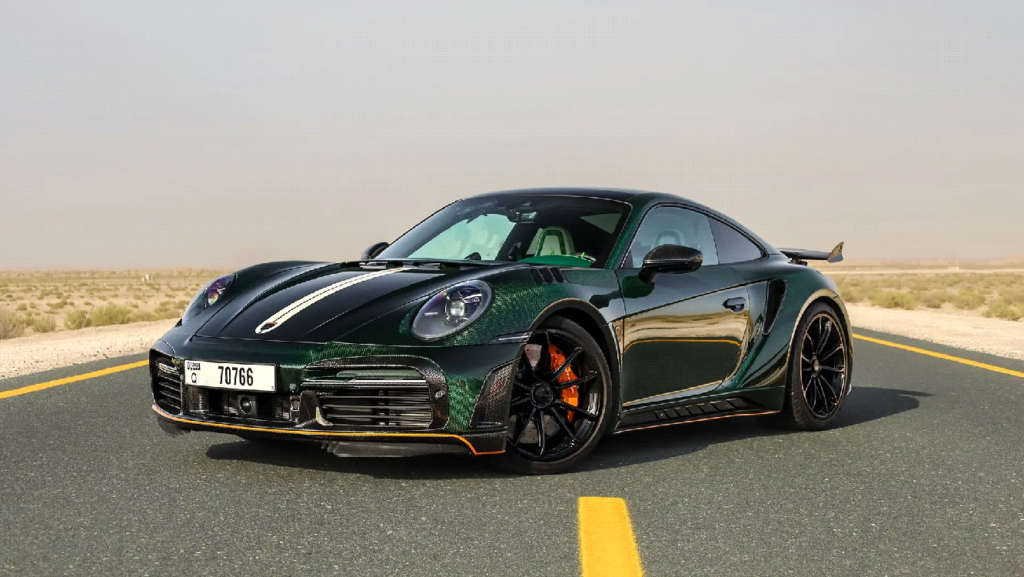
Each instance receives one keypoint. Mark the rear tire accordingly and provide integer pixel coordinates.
(819, 370)
(569, 435)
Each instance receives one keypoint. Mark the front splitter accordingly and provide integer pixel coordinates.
(475, 443)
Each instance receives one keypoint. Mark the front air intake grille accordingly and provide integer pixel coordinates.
(392, 403)
(166, 383)
(224, 404)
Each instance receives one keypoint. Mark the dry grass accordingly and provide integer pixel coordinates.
(994, 292)
(895, 300)
(70, 300)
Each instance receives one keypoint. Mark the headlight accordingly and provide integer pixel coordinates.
(206, 297)
(452, 310)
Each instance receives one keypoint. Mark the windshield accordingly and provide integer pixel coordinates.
(555, 230)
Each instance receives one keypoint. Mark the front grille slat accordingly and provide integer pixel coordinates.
(369, 402)
(166, 384)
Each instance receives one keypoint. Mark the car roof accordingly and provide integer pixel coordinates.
(622, 194)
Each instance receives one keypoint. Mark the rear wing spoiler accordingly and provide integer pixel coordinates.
(799, 255)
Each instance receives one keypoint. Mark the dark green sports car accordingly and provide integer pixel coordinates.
(524, 324)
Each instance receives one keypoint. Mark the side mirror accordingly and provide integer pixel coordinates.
(670, 258)
(374, 250)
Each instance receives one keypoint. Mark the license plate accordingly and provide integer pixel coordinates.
(231, 376)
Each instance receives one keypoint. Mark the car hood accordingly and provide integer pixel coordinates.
(319, 303)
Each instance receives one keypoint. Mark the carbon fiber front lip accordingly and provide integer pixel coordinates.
(485, 443)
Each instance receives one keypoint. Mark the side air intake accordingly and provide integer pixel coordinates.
(776, 293)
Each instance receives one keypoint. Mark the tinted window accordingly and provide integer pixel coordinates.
(671, 225)
(732, 245)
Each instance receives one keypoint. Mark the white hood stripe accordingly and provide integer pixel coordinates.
(309, 300)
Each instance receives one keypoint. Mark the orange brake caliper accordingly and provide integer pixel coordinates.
(570, 395)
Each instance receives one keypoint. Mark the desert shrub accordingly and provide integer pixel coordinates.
(935, 299)
(22, 307)
(76, 319)
(895, 300)
(43, 324)
(1000, 309)
(142, 316)
(58, 305)
(31, 305)
(1012, 296)
(87, 303)
(968, 299)
(852, 294)
(11, 325)
(168, 310)
(110, 315)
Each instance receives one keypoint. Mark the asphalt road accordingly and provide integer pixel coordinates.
(924, 476)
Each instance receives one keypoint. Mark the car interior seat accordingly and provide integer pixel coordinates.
(553, 240)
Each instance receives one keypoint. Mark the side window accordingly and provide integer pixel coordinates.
(672, 225)
(732, 245)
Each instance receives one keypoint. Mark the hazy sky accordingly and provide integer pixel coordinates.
(214, 134)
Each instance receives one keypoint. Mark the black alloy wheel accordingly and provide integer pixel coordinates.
(819, 375)
(560, 397)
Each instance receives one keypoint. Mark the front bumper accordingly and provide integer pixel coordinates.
(441, 400)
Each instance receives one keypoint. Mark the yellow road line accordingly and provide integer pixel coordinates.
(607, 545)
(68, 380)
(942, 356)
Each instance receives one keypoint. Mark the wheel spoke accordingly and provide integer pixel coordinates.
(826, 388)
(581, 412)
(810, 395)
(565, 426)
(826, 333)
(544, 360)
(838, 348)
(832, 369)
(568, 361)
(519, 401)
(575, 382)
(823, 395)
(524, 425)
(542, 433)
(832, 388)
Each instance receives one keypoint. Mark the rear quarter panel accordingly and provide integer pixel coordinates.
(766, 362)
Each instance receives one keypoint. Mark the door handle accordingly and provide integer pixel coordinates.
(736, 305)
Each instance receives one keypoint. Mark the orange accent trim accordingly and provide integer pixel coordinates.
(171, 417)
(701, 420)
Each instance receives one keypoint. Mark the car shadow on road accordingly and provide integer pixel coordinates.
(865, 405)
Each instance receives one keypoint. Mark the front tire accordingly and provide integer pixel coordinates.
(562, 401)
(819, 370)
